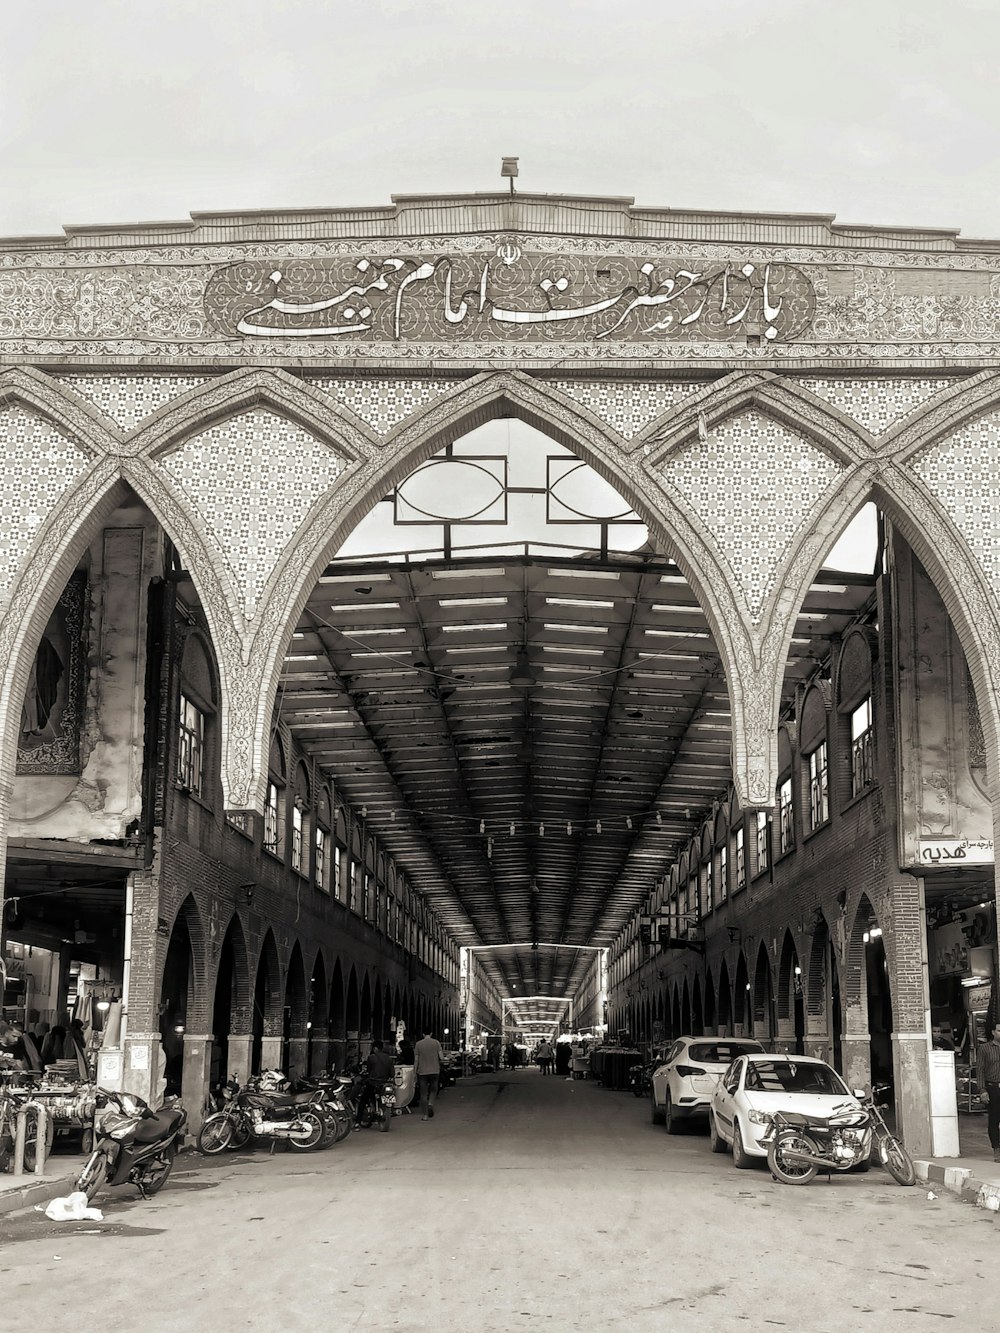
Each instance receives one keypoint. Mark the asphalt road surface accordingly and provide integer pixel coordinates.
(527, 1202)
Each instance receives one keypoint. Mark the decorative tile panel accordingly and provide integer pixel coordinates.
(129, 399)
(962, 472)
(383, 404)
(627, 408)
(253, 479)
(876, 404)
(753, 483)
(40, 464)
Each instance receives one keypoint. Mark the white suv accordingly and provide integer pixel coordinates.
(684, 1083)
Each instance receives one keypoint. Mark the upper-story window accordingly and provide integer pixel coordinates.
(741, 859)
(707, 889)
(296, 838)
(862, 747)
(272, 809)
(722, 872)
(763, 841)
(191, 746)
(322, 869)
(786, 821)
(819, 787)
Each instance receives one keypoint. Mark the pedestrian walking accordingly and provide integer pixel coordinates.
(562, 1057)
(988, 1070)
(427, 1062)
(544, 1056)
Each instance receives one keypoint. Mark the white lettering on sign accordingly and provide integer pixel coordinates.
(943, 851)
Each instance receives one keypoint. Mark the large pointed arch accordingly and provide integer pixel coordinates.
(479, 399)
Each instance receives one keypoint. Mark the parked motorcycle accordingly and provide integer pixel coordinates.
(372, 1102)
(800, 1146)
(640, 1078)
(133, 1144)
(254, 1111)
(337, 1103)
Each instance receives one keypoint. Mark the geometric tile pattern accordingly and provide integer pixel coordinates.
(962, 471)
(753, 483)
(39, 464)
(382, 404)
(627, 408)
(876, 404)
(129, 399)
(253, 478)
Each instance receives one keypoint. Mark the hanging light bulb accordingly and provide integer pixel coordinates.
(512, 828)
(628, 821)
(599, 826)
(569, 828)
(541, 830)
(392, 816)
(659, 820)
(489, 848)
(482, 826)
(364, 812)
(524, 672)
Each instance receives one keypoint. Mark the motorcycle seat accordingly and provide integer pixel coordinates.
(801, 1121)
(161, 1124)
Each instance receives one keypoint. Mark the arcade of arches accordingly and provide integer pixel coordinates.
(426, 615)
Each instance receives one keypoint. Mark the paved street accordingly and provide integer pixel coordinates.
(526, 1203)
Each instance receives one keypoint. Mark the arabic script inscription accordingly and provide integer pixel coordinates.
(506, 293)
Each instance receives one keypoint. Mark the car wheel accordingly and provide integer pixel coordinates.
(671, 1121)
(655, 1114)
(740, 1159)
(715, 1140)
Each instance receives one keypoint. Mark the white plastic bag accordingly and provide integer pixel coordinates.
(73, 1208)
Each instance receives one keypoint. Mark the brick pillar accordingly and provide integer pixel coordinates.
(857, 1053)
(238, 1061)
(817, 1038)
(911, 1075)
(785, 1041)
(141, 1066)
(195, 1076)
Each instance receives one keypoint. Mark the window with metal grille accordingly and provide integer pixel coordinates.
(338, 887)
(190, 746)
(862, 747)
(272, 821)
(707, 889)
(722, 872)
(819, 789)
(296, 838)
(741, 859)
(322, 841)
(786, 824)
(763, 848)
(352, 884)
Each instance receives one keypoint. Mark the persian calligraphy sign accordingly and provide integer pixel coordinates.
(505, 293)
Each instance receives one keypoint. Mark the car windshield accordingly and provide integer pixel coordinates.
(787, 1076)
(721, 1052)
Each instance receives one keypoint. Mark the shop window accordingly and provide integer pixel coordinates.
(272, 820)
(819, 787)
(763, 847)
(786, 820)
(191, 747)
(741, 859)
(862, 747)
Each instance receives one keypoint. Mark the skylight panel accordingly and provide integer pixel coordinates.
(344, 608)
(472, 601)
(471, 573)
(592, 602)
(609, 575)
(465, 627)
(579, 629)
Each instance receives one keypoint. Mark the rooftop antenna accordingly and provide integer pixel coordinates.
(508, 170)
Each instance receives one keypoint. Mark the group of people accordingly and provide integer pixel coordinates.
(425, 1056)
(555, 1058)
(32, 1049)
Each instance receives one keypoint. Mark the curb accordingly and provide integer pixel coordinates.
(960, 1180)
(35, 1191)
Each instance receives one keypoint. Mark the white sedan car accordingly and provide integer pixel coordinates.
(683, 1084)
(755, 1086)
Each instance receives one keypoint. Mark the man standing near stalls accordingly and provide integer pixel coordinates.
(988, 1069)
(427, 1059)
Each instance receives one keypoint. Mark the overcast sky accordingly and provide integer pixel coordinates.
(125, 110)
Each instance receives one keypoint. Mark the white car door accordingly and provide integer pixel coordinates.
(660, 1075)
(723, 1099)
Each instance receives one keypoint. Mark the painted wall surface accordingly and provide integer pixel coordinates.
(946, 819)
(105, 796)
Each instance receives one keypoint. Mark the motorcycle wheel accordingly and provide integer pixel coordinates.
(385, 1118)
(93, 1175)
(215, 1134)
(343, 1123)
(897, 1161)
(309, 1138)
(241, 1136)
(157, 1170)
(790, 1173)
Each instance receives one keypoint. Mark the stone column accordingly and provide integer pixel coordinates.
(271, 1052)
(298, 1056)
(140, 1066)
(911, 1074)
(319, 1054)
(857, 1053)
(817, 1038)
(238, 1059)
(784, 1043)
(195, 1077)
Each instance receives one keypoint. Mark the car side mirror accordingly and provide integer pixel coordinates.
(859, 1093)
